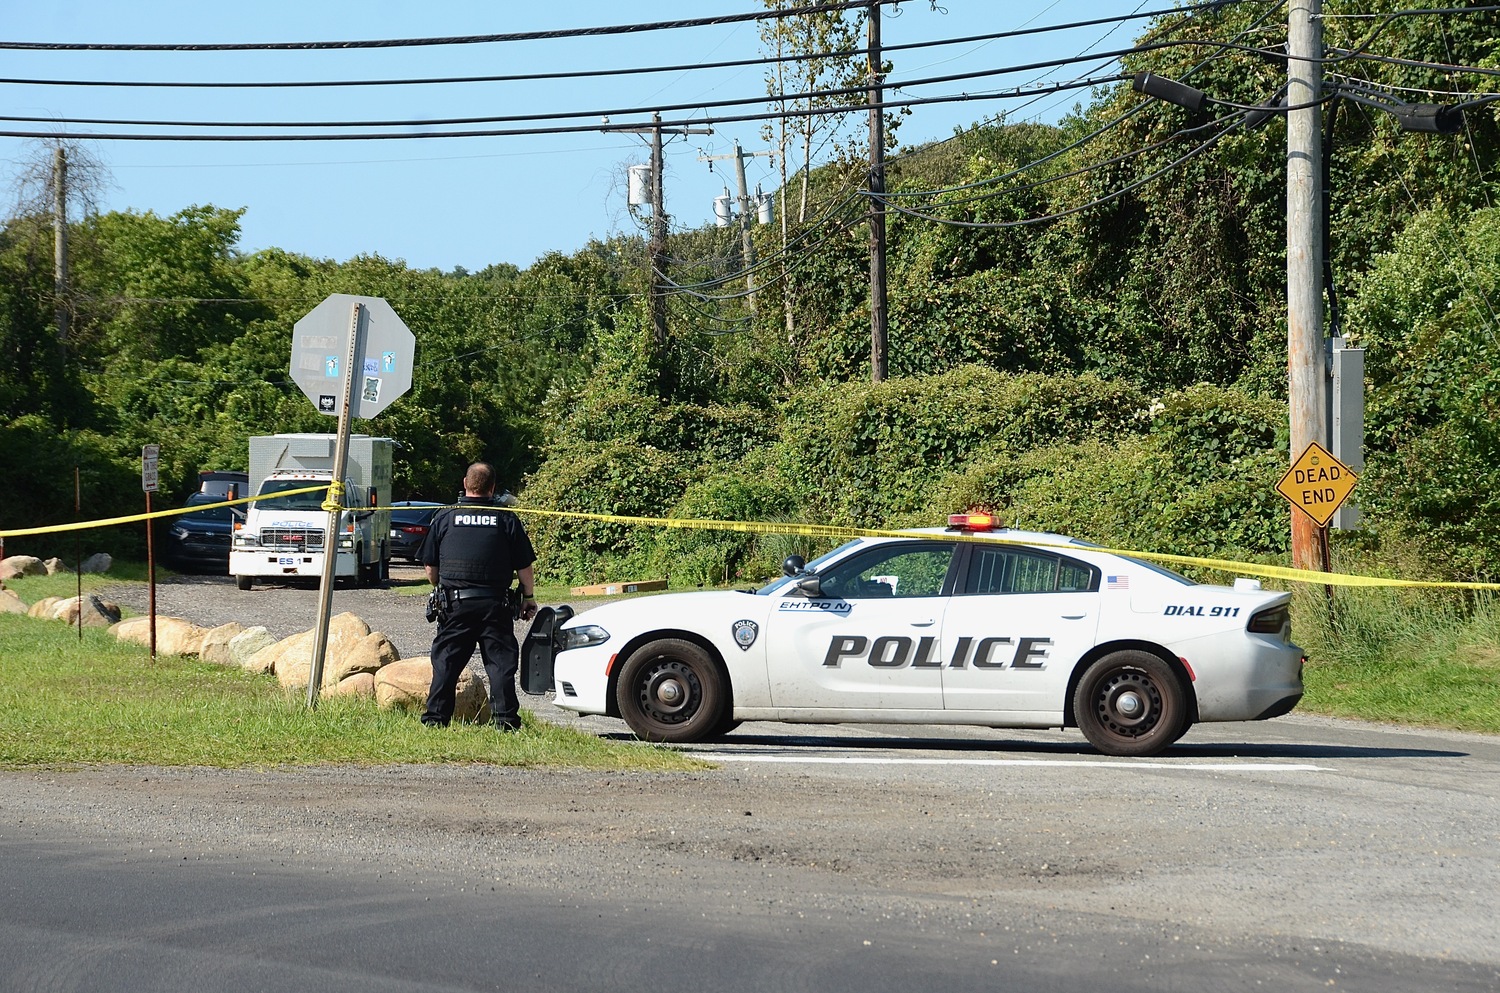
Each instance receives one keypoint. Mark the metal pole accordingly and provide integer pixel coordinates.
(335, 513)
(150, 576)
(1306, 384)
(878, 335)
(78, 544)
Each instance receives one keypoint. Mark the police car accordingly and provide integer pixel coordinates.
(973, 625)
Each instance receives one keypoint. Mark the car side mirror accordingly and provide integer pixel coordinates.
(794, 565)
(811, 585)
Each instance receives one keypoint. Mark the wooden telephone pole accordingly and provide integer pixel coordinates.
(878, 335)
(1306, 376)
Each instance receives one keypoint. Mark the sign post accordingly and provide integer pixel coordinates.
(149, 456)
(351, 356)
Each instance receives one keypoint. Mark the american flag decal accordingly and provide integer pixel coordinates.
(1117, 582)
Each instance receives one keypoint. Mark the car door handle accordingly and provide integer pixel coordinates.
(923, 624)
(1074, 617)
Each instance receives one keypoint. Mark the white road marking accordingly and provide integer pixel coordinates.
(1143, 764)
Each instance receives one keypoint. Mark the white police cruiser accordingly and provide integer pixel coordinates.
(975, 625)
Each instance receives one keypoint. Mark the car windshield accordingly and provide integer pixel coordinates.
(781, 582)
(208, 507)
(300, 501)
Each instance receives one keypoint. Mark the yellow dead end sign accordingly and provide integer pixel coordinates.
(1317, 483)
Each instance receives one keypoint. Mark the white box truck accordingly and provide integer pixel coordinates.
(283, 536)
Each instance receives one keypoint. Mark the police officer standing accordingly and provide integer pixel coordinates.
(470, 554)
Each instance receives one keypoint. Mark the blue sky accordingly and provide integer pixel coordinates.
(467, 202)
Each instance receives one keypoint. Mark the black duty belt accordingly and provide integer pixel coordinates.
(471, 593)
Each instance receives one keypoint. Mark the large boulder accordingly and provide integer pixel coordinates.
(215, 647)
(17, 566)
(43, 607)
(249, 643)
(98, 562)
(174, 635)
(54, 566)
(97, 612)
(352, 648)
(133, 629)
(403, 685)
(10, 603)
(178, 637)
(361, 685)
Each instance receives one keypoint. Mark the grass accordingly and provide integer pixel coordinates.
(1407, 656)
(68, 701)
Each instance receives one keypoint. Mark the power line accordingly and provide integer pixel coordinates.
(708, 119)
(596, 73)
(475, 39)
(781, 98)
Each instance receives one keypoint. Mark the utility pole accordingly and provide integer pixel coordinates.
(658, 242)
(1306, 352)
(878, 336)
(659, 227)
(60, 241)
(747, 243)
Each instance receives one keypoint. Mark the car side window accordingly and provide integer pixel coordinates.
(893, 571)
(1009, 570)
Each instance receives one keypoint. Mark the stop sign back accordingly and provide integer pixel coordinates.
(383, 355)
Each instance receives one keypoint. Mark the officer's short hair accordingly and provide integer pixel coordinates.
(480, 478)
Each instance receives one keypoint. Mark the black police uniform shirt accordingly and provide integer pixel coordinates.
(476, 545)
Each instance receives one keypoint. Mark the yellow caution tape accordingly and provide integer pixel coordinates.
(833, 532)
(335, 498)
(830, 531)
(131, 518)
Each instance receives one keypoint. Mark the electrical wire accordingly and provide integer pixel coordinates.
(597, 73)
(478, 39)
(707, 120)
(782, 98)
(1352, 54)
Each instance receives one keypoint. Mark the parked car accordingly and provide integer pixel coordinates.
(410, 520)
(224, 484)
(200, 540)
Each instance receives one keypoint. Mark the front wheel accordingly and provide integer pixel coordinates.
(670, 690)
(243, 582)
(1130, 703)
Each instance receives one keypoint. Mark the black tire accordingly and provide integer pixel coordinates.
(243, 582)
(670, 690)
(726, 724)
(1130, 703)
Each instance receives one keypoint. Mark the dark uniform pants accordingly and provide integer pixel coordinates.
(488, 624)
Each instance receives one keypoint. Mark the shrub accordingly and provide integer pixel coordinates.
(615, 478)
(868, 454)
(700, 557)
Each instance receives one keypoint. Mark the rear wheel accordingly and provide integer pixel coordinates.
(726, 724)
(670, 690)
(1130, 703)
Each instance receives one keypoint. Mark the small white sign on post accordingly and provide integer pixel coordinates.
(149, 456)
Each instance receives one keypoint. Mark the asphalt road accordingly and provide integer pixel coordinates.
(1296, 854)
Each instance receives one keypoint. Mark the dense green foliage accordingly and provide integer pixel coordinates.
(1087, 331)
